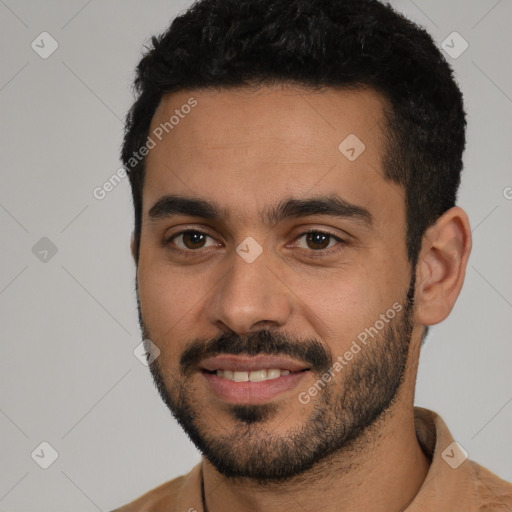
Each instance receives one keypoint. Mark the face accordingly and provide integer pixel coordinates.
(273, 273)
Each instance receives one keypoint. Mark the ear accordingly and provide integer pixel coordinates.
(442, 266)
(133, 249)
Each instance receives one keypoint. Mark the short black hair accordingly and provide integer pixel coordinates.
(344, 44)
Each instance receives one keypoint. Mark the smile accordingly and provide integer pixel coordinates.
(254, 375)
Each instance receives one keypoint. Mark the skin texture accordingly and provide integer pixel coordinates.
(248, 150)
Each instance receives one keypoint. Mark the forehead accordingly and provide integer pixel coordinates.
(244, 147)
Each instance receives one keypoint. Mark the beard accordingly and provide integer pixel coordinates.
(347, 406)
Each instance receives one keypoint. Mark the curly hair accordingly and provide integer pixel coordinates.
(343, 44)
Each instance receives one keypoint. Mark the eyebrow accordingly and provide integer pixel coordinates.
(332, 205)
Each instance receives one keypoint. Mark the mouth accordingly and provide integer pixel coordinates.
(255, 380)
(253, 375)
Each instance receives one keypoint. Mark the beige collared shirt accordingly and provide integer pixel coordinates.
(450, 486)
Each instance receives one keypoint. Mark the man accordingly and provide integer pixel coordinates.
(294, 167)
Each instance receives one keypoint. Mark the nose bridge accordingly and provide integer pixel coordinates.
(250, 293)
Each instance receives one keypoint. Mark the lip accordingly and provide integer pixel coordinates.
(250, 363)
(252, 392)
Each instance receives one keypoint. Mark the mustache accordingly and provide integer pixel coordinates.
(309, 350)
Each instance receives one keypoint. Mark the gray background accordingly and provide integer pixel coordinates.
(69, 325)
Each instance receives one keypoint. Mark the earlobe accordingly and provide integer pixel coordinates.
(442, 266)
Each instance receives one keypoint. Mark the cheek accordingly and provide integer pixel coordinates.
(346, 303)
(168, 299)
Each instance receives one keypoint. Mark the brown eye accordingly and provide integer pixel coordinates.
(193, 239)
(319, 241)
(189, 240)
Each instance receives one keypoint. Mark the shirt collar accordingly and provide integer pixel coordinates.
(450, 481)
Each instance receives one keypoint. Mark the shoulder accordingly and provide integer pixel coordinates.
(494, 493)
(159, 498)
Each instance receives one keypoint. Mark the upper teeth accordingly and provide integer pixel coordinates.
(254, 376)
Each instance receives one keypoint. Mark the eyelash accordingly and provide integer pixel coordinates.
(315, 253)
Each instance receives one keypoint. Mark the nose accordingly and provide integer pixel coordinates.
(250, 296)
